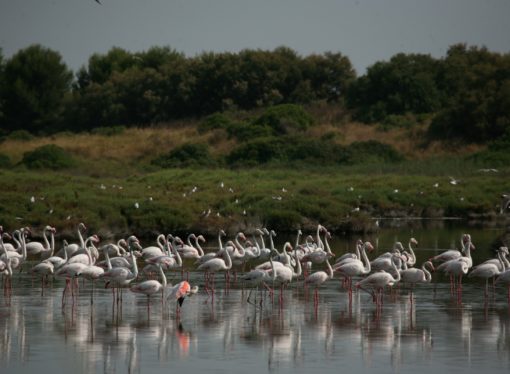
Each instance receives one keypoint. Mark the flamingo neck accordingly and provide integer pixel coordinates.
(199, 247)
(297, 239)
(45, 238)
(367, 267)
(298, 264)
(413, 255)
(428, 275)
(228, 261)
(135, 266)
(108, 262)
(394, 266)
(330, 269)
(262, 240)
(80, 236)
(23, 245)
(319, 240)
(176, 253)
(163, 277)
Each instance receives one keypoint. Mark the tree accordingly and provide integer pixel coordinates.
(476, 83)
(407, 83)
(36, 81)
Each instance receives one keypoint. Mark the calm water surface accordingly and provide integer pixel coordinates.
(230, 335)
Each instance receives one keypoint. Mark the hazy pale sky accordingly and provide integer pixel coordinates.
(366, 31)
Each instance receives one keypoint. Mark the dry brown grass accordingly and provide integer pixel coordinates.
(132, 144)
(143, 144)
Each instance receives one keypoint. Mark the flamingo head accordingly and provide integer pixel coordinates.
(369, 246)
(242, 237)
(413, 241)
(201, 238)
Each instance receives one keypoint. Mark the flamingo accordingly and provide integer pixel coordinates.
(179, 292)
(504, 278)
(7, 271)
(411, 261)
(84, 258)
(413, 275)
(455, 270)
(317, 279)
(46, 249)
(120, 276)
(153, 251)
(351, 268)
(43, 269)
(151, 287)
(489, 270)
(385, 261)
(257, 277)
(209, 256)
(377, 281)
(285, 273)
(70, 272)
(73, 247)
(58, 261)
(165, 261)
(214, 265)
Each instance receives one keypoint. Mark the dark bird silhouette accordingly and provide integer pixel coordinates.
(97, 1)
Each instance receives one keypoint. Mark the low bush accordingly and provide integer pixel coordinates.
(48, 156)
(5, 161)
(187, 155)
(285, 119)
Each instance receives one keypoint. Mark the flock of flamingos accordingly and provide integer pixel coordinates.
(117, 264)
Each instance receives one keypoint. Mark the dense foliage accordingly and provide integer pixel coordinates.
(48, 156)
(465, 95)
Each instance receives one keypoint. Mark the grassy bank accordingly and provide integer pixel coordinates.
(344, 199)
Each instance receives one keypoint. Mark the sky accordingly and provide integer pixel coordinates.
(366, 31)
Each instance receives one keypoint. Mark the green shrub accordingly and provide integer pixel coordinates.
(48, 156)
(214, 121)
(246, 132)
(187, 155)
(5, 162)
(285, 119)
(21, 135)
(397, 121)
(288, 149)
(257, 152)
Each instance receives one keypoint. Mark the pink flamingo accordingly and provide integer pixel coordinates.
(179, 292)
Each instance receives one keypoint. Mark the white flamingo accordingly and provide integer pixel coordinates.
(46, 249)
(213, 266)
(378, 281)
(354, 268)
(317, 279)
(73, 247)
(151, 287)
(413, 276)
(489, 270)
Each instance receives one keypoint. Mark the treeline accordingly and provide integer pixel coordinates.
(465, 95)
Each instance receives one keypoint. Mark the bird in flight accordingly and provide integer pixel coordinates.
(97, 1)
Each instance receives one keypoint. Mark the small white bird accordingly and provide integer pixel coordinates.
(137, 205)
(454, 181)
(32, 199)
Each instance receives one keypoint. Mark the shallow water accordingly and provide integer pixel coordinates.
(228, 334)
